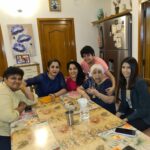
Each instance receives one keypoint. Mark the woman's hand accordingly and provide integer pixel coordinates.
(91, 91)
(52, 96)
(118, 114)
(125, 119)
(110, 91)
(85, 95)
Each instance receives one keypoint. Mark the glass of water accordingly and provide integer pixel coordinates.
(84, 113)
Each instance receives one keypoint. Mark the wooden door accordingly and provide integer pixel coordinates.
(3, 60)
(57, 40)
(144, 41)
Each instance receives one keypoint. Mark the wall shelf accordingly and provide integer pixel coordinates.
(112, 17)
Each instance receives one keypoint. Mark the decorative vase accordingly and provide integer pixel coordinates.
(124, 8)
(117, 10)
(100, 14)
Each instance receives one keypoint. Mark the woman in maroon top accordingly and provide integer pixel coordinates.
(76, 75)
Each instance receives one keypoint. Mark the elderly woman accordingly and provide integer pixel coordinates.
(13, 99)
(95, 87)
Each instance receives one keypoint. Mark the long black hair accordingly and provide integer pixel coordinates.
(134, 73)
(80, 76)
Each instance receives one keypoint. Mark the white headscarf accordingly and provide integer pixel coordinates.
(98, 67)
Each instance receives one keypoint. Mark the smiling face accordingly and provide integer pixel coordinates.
(53, 69)
(13, 82)
(126, 70)
(88, 58)
(73, 71)
(97, 75)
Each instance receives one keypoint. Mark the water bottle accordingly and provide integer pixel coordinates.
(84, 109)
(84, 113)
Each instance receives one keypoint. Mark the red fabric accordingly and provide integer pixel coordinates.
(71, 85)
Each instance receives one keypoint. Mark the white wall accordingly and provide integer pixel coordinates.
(134, 23)
(83, 12)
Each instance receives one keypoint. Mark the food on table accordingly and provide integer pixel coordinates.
(95, 119)
(45, 99)
(64, 128)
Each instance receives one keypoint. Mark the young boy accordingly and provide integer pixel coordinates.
(89, 59)
(14, 97)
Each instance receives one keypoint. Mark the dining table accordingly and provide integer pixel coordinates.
(46, 128)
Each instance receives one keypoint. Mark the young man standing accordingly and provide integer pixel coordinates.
(89, 59)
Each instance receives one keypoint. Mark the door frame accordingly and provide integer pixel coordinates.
(141, 37)
(53, 19)
(2, 48)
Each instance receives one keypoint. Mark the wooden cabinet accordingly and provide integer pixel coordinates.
(30, 70)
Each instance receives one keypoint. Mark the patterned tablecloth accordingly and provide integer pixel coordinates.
(118, 141)
(90, 134)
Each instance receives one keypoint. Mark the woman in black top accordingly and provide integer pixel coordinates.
(134, 96)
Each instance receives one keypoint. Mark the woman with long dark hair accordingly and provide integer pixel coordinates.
(76, 75)
(133, 95)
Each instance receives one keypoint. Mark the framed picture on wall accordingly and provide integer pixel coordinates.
(55, 5)
(23, 59)
(21, 39)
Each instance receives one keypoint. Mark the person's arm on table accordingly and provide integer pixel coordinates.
(103, 97)
(81, 91)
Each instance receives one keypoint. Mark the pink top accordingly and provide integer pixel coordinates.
(71, 85)
(97, 60)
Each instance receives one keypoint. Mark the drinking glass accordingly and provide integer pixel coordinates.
(84, 109)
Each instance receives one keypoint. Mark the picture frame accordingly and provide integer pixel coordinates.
(55, 5)
(23, 59)
(21, 39)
